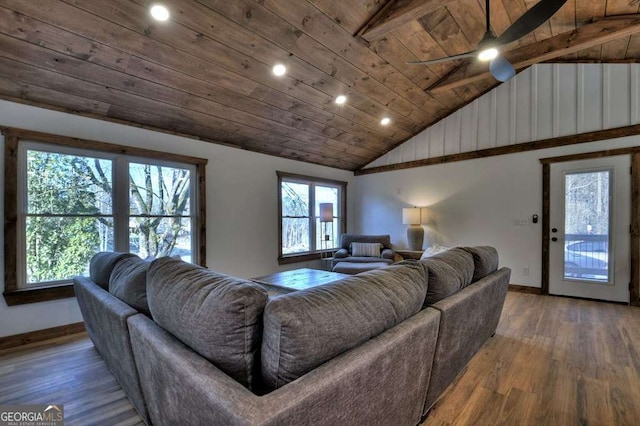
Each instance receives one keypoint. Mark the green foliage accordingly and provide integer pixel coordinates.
(58, 247)
(63, 190)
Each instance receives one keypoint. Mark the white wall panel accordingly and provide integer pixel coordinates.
(566, 92)
(452, 131)
(591, 101)
(485, 118)
(468, 117)
(436, 140)
(617, 96)
(523, 89)
(503, 107)
(544, 101)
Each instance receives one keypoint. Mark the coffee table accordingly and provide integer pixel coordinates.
(297, 279)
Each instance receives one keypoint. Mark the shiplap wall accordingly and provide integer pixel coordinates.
(544, 101)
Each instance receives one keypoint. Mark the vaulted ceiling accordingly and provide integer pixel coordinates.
(206, 72)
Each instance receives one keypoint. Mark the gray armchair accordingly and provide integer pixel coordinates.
(344, 254)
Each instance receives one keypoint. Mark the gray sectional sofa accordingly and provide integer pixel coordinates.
(375, 348)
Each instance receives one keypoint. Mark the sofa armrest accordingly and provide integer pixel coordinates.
(183, 388)
(467, 319)
(105, 318)
(341, 254)
(387, 254)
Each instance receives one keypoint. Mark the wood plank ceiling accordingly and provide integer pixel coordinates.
(206, 73)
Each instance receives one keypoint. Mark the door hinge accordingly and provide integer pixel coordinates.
(630, 286)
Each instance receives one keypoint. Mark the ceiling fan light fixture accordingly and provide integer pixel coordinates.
(488, 54)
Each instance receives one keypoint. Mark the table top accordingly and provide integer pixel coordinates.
(299, 279)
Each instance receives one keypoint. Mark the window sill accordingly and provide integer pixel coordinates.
(303, 257)
(38, 294)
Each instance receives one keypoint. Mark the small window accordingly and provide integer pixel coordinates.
(305, 233)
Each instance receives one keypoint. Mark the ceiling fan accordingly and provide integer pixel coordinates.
(488, 48)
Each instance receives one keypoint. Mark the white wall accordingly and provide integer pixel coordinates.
(474, 202)
(242, 219)
(544, 101)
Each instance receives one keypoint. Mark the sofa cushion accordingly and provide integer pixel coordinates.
(449, 272)
(307, 328)
(461, 261)
(485, 261)
(102, 264)
(365, 249)
(128, 282)
(218, 316)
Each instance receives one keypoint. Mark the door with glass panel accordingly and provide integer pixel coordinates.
(590, 216)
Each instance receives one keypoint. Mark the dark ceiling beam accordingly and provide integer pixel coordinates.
(587, 36)
(396, 13)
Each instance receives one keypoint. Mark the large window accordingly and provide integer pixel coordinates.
(67, 200)
(304, 234)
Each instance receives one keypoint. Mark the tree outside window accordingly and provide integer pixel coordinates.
(66, 199)
(70, 216)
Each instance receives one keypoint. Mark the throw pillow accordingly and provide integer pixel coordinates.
(365, 249)
(434, 249)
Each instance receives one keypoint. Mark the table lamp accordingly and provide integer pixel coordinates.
(415, 232)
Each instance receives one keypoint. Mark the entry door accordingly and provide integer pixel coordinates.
(590, 216)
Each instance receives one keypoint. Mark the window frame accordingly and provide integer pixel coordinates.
(316, 253)
(20, 139)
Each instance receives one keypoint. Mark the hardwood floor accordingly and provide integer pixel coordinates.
(553, 361)
(67, 371)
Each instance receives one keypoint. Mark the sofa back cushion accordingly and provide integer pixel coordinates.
(347, 239)
(307, 328)
(485, 261)
(449, 272)
(102, 265)
(218, 316)
(128, 282)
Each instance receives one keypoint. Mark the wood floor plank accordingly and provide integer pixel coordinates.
(553, 361)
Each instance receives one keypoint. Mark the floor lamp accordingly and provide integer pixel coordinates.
(326, 216)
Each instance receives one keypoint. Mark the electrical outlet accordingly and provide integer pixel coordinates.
(525, 271)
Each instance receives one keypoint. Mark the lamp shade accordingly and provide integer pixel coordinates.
(424, 215)
(326, 212)
(411, 216)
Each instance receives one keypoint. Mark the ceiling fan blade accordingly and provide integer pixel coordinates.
(532, 19)
(501, 69)
(471, 54)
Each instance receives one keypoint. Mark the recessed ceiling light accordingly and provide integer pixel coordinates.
(159, 12)
(341, 99)
(279, 69)
(385, 121)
